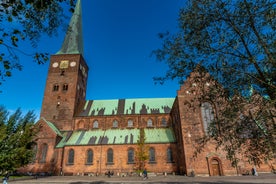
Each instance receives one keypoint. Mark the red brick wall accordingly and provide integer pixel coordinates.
(106, 122)
(59, 106)
(185, 119)
(190, 122)
(120, 162)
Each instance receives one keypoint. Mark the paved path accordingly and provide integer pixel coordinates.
(262, 178)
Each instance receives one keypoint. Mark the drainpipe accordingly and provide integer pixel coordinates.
(61, 163)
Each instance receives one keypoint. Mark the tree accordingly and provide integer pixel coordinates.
(16, 139)
(141, 154)
(234, 41)
(22, 20)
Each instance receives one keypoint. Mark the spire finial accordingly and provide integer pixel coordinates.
(73, 42)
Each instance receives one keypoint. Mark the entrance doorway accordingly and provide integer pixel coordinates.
(215, 166)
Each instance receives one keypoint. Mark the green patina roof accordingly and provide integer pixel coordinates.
(164, 135)
(127, 106)
(115, 136)
(73, 41)
(53, 127)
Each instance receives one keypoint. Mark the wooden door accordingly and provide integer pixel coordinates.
(215, 168)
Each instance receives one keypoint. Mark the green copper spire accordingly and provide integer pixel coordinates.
(73, 42)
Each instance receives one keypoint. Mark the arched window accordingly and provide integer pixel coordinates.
(130, 156)
(96, 124)
(149, 123)
(151, 155)
(89, 157)
(109, 156)
(115, 124)
(71, 155)
(129, 123)
(65, 87)
(55, 87)
(169, 155)
(81, 125)
(163, 122)
(35, 153)
(44, 151)
(207, 114)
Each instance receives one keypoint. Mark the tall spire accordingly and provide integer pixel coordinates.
(73, 42)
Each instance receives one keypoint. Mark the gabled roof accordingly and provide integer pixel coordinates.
(127, 106)
(115, 136)
(52, 126)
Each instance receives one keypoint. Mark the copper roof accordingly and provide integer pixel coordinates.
(73, 41)
(127, 106)
(115, 136)
(52, 126)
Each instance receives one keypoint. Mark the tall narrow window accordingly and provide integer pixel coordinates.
(149, 123)
(55, 87)
(130, 156)
(44, 151)
(89, 159)
(207, 114)
(109, 156)
(151, 155)
(71, 155)
(169, 155)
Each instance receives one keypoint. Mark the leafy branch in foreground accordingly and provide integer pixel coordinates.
(22, 21)
(235, 42)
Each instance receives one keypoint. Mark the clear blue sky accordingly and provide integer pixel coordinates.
(119, 36)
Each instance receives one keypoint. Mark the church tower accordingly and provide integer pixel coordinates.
(67, 77)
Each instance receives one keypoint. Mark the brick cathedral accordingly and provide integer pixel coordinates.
(82, 137)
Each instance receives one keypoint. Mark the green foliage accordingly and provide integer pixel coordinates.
(141, 154)
(17, 135)
(244, 128)
(247, 128)
(234, 40)
(27, 20)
